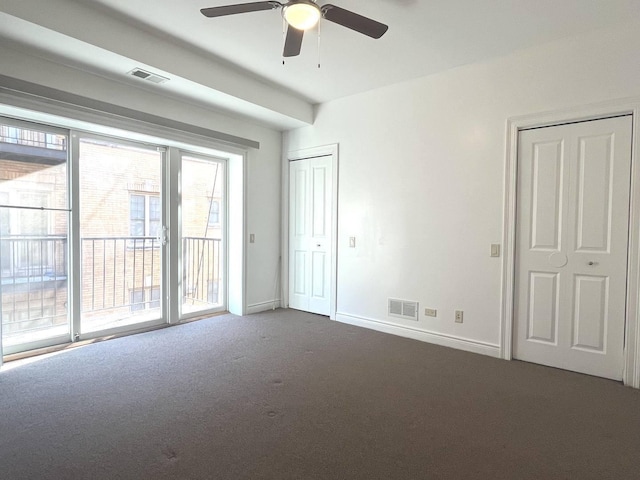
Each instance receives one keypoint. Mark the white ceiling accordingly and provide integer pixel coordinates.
(424, 37)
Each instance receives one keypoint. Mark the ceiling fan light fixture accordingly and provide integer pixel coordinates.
(302, 15)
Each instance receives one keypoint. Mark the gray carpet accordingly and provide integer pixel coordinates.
(288, 395)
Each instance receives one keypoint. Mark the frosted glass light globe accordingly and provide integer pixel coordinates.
(302, 16)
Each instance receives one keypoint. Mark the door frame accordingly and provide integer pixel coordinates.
(631, 371)
(301, 154)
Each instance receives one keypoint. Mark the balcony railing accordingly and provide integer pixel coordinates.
(33, 286)
(32, 138)
(126, 272)
(25, 258)
(202, 268)
(32, 147)
(121, 276)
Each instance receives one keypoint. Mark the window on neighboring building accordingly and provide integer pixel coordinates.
(155, 298)
(145, 299)
(144, 215)
(154, 216)
(31, 221)
(33, 254)
(137, 216)
(137, 300)
(214, 212)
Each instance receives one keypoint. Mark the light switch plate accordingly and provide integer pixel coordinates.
(495, 249)
(431, 312)
(352, 242)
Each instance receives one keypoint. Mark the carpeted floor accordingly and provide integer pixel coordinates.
(289, 395)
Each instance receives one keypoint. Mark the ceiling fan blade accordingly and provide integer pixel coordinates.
(239, 8)
(292, 42)
(354, 21)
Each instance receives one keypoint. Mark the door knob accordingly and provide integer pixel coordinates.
(591, 263)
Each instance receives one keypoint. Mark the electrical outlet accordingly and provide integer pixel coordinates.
(430, 312)
(459, 316)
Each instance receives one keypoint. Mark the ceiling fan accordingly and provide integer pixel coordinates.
(302, 15)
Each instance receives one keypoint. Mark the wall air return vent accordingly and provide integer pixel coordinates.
(148, 76)
(403, 309)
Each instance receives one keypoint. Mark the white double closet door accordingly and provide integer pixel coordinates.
(572, 244)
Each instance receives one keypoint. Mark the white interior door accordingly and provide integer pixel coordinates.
(571, 258)
(310, 225)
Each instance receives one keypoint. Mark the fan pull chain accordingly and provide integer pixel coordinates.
(284, 37)
(319, 23)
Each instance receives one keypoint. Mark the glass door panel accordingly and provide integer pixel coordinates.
(120, 234)
(202, 231)
(34, 250)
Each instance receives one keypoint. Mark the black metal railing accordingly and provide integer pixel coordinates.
(27, 258)
(201, 270)
(126, 272)
(33, 274)
(117, 273)
(120, 272)
(32, 138)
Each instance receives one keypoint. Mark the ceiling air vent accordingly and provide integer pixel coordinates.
(403, 309)
(150, 77)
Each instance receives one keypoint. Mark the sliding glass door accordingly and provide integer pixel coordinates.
(202, 228)
(121, 234)
(34, 224)
(84, 229)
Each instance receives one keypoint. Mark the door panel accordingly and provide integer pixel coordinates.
(319, 213)
(547, 177)
(310, 234)
(543, 307)
(202, 227)
(571, 253)
(594, 193)
(590, 312)
(34, 225)
(121, 248)
(300, 204)
(318, 281)
(300, 273)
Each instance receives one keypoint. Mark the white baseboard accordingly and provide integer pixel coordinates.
(263, 306)
(422, 335)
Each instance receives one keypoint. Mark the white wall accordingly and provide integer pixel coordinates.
(263, 164)
(422, 177)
